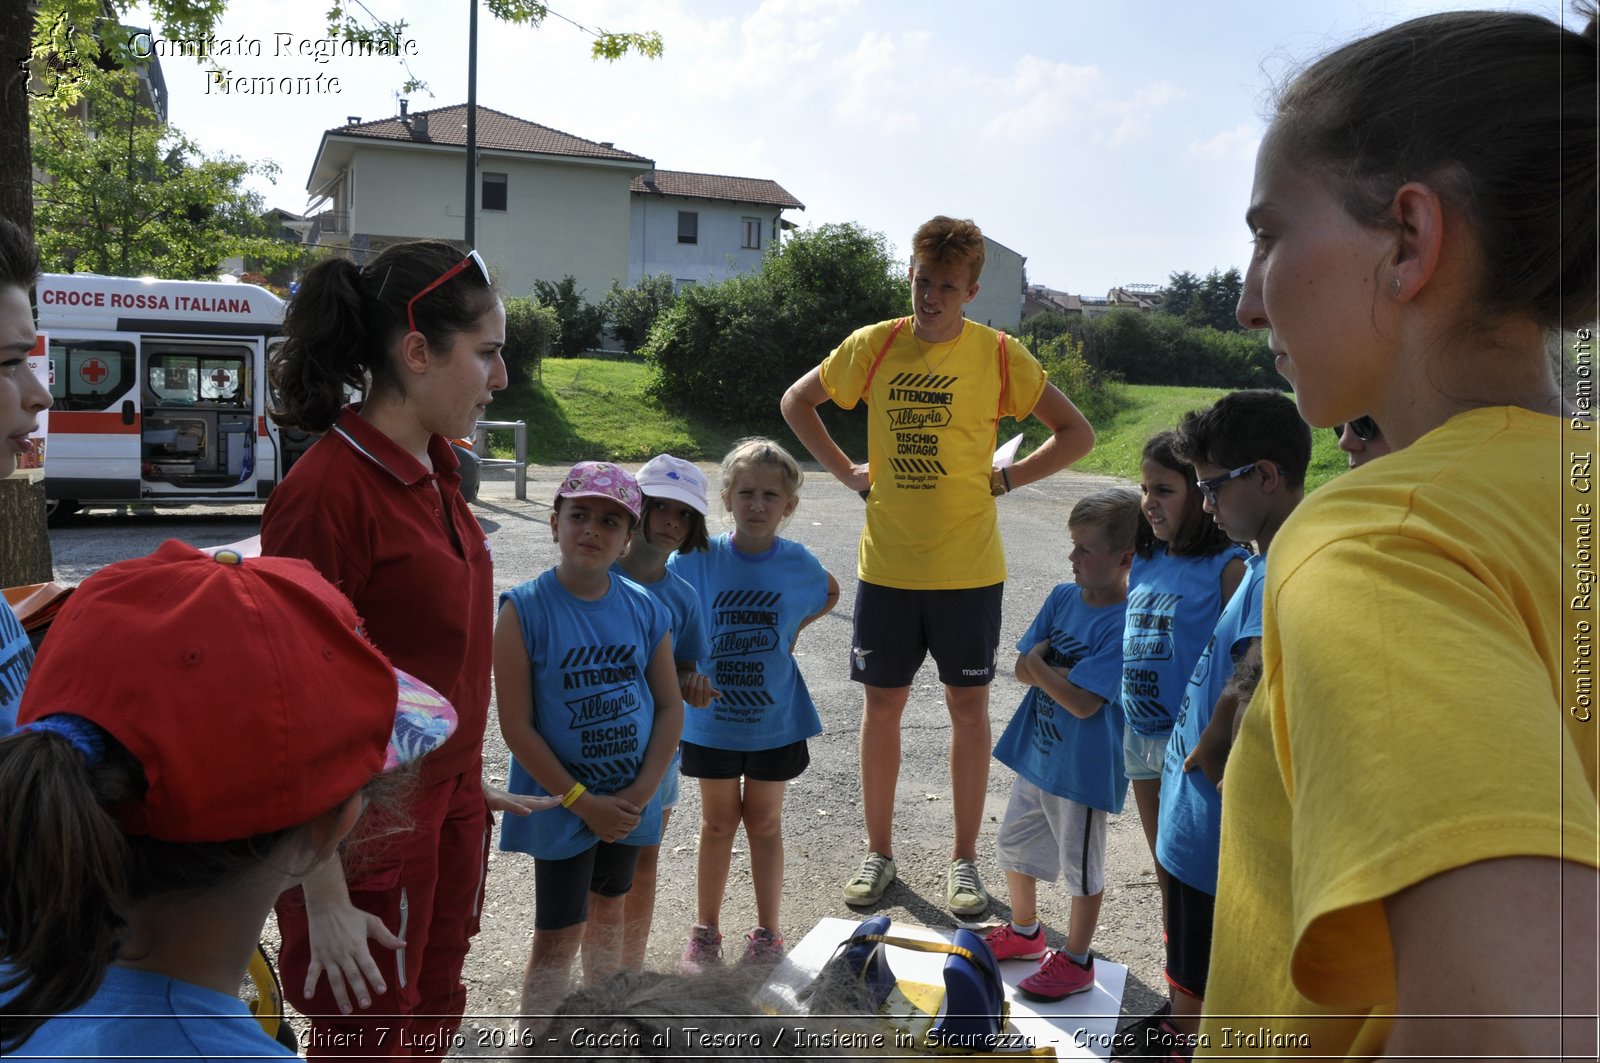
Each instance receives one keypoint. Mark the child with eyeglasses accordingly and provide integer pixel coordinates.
(1184, 570)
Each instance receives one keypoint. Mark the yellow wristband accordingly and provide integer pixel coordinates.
(577, 791)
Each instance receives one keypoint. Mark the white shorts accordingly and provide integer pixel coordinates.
(1143, 755)
(1047, 837)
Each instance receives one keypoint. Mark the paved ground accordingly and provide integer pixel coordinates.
(823, 830)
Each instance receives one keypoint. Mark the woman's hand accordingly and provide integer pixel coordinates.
(338, 933)
(517, 804)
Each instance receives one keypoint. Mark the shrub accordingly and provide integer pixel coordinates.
(1096, 394)
(581, 321)
(631, 312)
(530, 328)
(728, 350)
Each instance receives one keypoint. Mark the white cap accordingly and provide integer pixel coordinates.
(665, 476)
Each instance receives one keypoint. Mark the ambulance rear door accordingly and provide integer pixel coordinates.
(201, 399)
(94, 420)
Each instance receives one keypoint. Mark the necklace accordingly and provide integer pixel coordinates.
(925, 349)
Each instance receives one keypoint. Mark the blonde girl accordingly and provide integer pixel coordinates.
(757, 593)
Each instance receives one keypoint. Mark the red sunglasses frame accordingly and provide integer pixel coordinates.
(473, 258)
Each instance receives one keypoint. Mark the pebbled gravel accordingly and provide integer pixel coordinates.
(823, 832)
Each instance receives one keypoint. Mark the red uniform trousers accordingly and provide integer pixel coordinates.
(426, 883)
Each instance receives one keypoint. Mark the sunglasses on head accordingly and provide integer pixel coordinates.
(472, 259)
(1365, 428)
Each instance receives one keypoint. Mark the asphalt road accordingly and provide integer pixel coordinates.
(823, 832)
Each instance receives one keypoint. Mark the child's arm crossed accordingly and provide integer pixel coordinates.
(1032, 670)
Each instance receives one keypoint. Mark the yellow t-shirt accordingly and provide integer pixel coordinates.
(930, 446)
(1417, 713)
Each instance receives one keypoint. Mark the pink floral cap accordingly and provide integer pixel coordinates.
(601, 479)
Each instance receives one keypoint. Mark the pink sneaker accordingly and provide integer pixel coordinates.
(1058, 977)
(1007, 944)
(762, 946)
(705, 950)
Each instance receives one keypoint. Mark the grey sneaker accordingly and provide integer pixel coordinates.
(964, 892)
(877, 872)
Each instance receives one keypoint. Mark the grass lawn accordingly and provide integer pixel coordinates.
(594, 408)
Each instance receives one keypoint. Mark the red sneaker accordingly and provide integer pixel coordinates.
(1057, 978)
(1008, 944)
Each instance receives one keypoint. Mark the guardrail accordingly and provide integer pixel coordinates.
(519, 464)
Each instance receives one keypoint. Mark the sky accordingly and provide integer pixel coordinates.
(1109, 144)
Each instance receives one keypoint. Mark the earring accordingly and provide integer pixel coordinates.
(1394, 284)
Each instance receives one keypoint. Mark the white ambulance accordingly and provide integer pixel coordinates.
(160, 392)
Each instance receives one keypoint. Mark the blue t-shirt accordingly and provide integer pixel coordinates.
(1173, 605)
(591, 703)
(1190, 832)
(753, 605)
(1063, 754)
(155, 1019)
(688, 630)
(16, 660)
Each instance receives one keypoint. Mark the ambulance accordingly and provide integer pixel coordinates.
(160, 392)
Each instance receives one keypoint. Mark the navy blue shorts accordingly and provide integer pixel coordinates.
(1189, 918)
(561, 888)
(762, 765)
(896, 628)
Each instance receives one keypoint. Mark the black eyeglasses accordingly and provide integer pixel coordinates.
(1365, 428)
(472, 259)
(1208, 488)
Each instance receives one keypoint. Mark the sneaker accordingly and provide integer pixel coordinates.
(762, 946)
(870, 883)
(1058, 977)
(705, 950)
(964, 892)
(1151, 1038)
(1007, 944)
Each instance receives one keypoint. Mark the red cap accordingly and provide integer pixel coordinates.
(244, 687)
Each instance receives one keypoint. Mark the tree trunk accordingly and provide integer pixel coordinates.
(16, 167)
(24, 544)
(24, 539)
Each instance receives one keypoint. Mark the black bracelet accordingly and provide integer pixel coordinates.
(1006, 476)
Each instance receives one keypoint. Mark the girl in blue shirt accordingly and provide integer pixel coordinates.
(1185, 569)
(757, 593)
(674, 521)
(589, 706)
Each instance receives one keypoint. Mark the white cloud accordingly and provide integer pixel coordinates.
(1234, 144)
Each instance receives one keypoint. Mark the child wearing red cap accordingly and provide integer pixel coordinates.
(589, 704)
(153, 812)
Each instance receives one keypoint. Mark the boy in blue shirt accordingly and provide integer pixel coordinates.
(1065, 744)
(1249, 451)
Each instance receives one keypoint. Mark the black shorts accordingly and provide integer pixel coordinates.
(561, 888)
(1189, 916)
(896, 628)
(762, 765)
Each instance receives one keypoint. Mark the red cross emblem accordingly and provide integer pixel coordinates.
(221, 379)
(93, 370)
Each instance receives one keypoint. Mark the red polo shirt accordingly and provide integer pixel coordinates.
(368, 516)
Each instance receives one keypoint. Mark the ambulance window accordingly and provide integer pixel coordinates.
(89, 375)
(197, 379)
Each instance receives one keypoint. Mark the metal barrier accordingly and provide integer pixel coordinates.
(480, 447)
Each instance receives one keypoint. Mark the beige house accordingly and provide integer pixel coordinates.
(548, 203)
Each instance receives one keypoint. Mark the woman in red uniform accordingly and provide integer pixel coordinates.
(375, 505)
